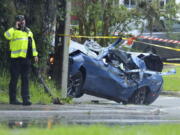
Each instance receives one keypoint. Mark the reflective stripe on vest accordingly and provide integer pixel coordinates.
(18, 51)
(8, 34)
(19, 39)
(34, 49)
(25, 51)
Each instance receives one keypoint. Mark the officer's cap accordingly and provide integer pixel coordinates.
(20, 18)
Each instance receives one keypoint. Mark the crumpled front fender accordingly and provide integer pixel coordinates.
(75, 64)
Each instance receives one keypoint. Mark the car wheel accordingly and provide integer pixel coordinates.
(139, 96)
(75, 84)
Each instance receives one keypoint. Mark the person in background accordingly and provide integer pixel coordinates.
(22, 48)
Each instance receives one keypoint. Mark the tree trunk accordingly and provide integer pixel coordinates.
(81, 29)
(49, 21)
(57, 70)
(105, 21)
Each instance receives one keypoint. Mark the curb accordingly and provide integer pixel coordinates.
(170, 93)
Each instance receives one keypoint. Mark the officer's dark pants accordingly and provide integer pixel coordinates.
(19, 67)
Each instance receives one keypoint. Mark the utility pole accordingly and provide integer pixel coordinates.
(60, 68)
(65, 63)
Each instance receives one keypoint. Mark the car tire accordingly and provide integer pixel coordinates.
(139, 96)
(75, 84)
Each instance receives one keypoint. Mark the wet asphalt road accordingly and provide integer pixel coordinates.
(90, 110)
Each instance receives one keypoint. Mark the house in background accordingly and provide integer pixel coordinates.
(133, 3)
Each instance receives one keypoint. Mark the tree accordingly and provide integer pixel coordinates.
(97, 17)
(150, 12)
(57, 69)
(154, 11)
(8, 11)
(88, 13)
(41, 18)
(46, 19)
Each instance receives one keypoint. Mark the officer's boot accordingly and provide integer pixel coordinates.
(14, 101)
(26, 102)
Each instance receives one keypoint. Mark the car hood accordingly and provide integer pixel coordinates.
(74, 46)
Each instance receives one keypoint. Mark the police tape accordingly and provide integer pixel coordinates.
(160, 46)
(160, 39)
(130, 40)
(92, 37)
(173, 64)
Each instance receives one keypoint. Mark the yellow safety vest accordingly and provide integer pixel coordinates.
(19, 42)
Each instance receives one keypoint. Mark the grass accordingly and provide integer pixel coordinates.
(4, 82)
(37, 93)
(172, 82)
(164, 129)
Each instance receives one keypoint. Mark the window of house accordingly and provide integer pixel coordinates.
(130, 3)
(162, 4)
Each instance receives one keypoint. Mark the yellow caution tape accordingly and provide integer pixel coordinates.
(115, 37)
(104, 37)
(170, 48)
(174, 64)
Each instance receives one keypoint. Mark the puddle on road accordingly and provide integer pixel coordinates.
(41, 123)
(51, 122)
(51, 116)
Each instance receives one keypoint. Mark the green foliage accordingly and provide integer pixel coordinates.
(37, 93)
(7, 11)
(4, 83)
(102, 17)
(67, 100)
(4, 76)
(171, 9)
(116, 18)
(39, 17)
(153, 12)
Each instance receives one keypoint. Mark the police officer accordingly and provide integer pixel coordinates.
(23, 48)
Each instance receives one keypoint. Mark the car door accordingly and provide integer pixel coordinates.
(103, 79)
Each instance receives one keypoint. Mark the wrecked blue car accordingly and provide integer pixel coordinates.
(111, 73)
